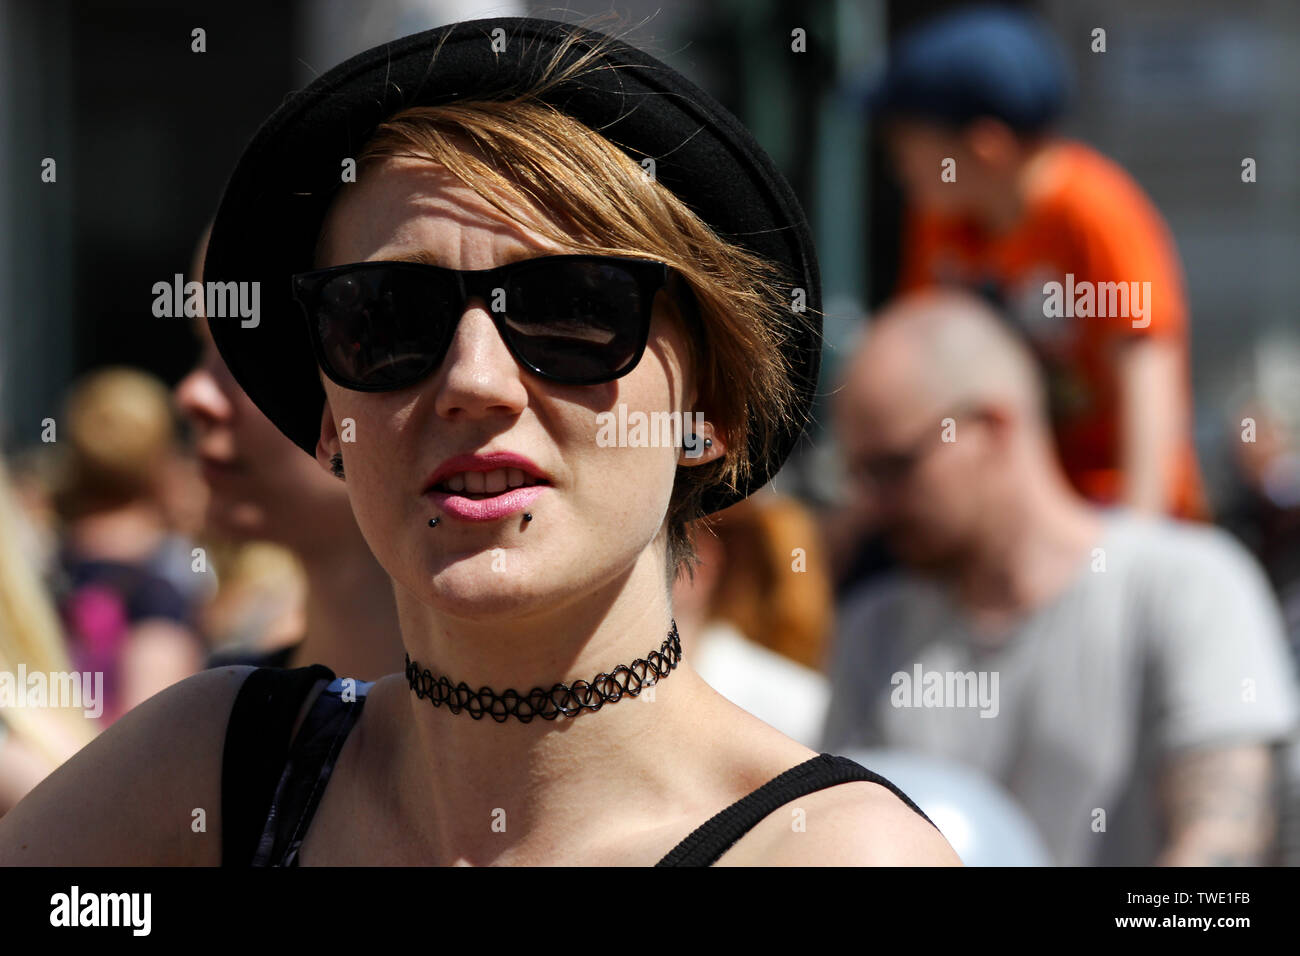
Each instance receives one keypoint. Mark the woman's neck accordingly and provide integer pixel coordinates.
(462, 771)
(351, 620)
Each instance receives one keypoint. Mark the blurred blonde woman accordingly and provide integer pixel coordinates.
(33, 741)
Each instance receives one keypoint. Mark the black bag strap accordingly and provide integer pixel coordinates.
(713, 838)
(257, 746)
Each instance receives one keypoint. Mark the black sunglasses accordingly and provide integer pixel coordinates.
(573, 319)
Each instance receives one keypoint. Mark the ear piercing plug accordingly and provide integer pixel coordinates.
(708, 442)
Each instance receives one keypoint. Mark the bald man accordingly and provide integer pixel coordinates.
(1126, 678)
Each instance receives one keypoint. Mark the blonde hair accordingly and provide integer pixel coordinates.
(31, 635)
(118, 428)
(522, 153)
(261, 586)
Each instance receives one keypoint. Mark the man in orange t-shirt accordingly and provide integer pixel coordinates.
(1059, 236)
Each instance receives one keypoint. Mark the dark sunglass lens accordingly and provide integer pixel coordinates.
(577, 320)
(382, 327)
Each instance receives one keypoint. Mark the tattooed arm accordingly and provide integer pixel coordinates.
(1219, 807)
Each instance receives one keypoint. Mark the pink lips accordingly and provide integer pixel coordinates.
(508, 502)
(486, 509)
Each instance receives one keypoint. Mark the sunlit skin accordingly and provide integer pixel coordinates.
(581, 589)
(931, 513)
(583, 585)
(593, 527)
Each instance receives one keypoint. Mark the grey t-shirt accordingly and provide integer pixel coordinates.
(1168, 638)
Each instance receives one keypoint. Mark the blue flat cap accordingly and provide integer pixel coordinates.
(981, 62)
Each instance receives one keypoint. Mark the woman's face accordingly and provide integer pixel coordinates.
(260, 484)
(603, 507)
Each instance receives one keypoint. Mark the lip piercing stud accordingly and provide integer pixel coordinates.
(433, 522)
(528, 516)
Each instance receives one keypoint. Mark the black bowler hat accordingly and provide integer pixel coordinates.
(270, 216)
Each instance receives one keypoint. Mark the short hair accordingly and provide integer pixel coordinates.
(596, 199)
(120, 427)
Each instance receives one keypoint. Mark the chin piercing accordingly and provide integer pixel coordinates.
(433, 522)
(528, 516)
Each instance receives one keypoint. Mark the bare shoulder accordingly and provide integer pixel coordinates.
(132, 796)
(851, 824)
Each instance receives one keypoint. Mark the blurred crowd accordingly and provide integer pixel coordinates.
(1022, 610)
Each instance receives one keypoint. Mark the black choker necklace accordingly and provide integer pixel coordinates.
(569, 700)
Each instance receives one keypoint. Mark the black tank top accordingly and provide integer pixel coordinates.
(270, 786)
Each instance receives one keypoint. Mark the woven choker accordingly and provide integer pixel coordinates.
(568, 700)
